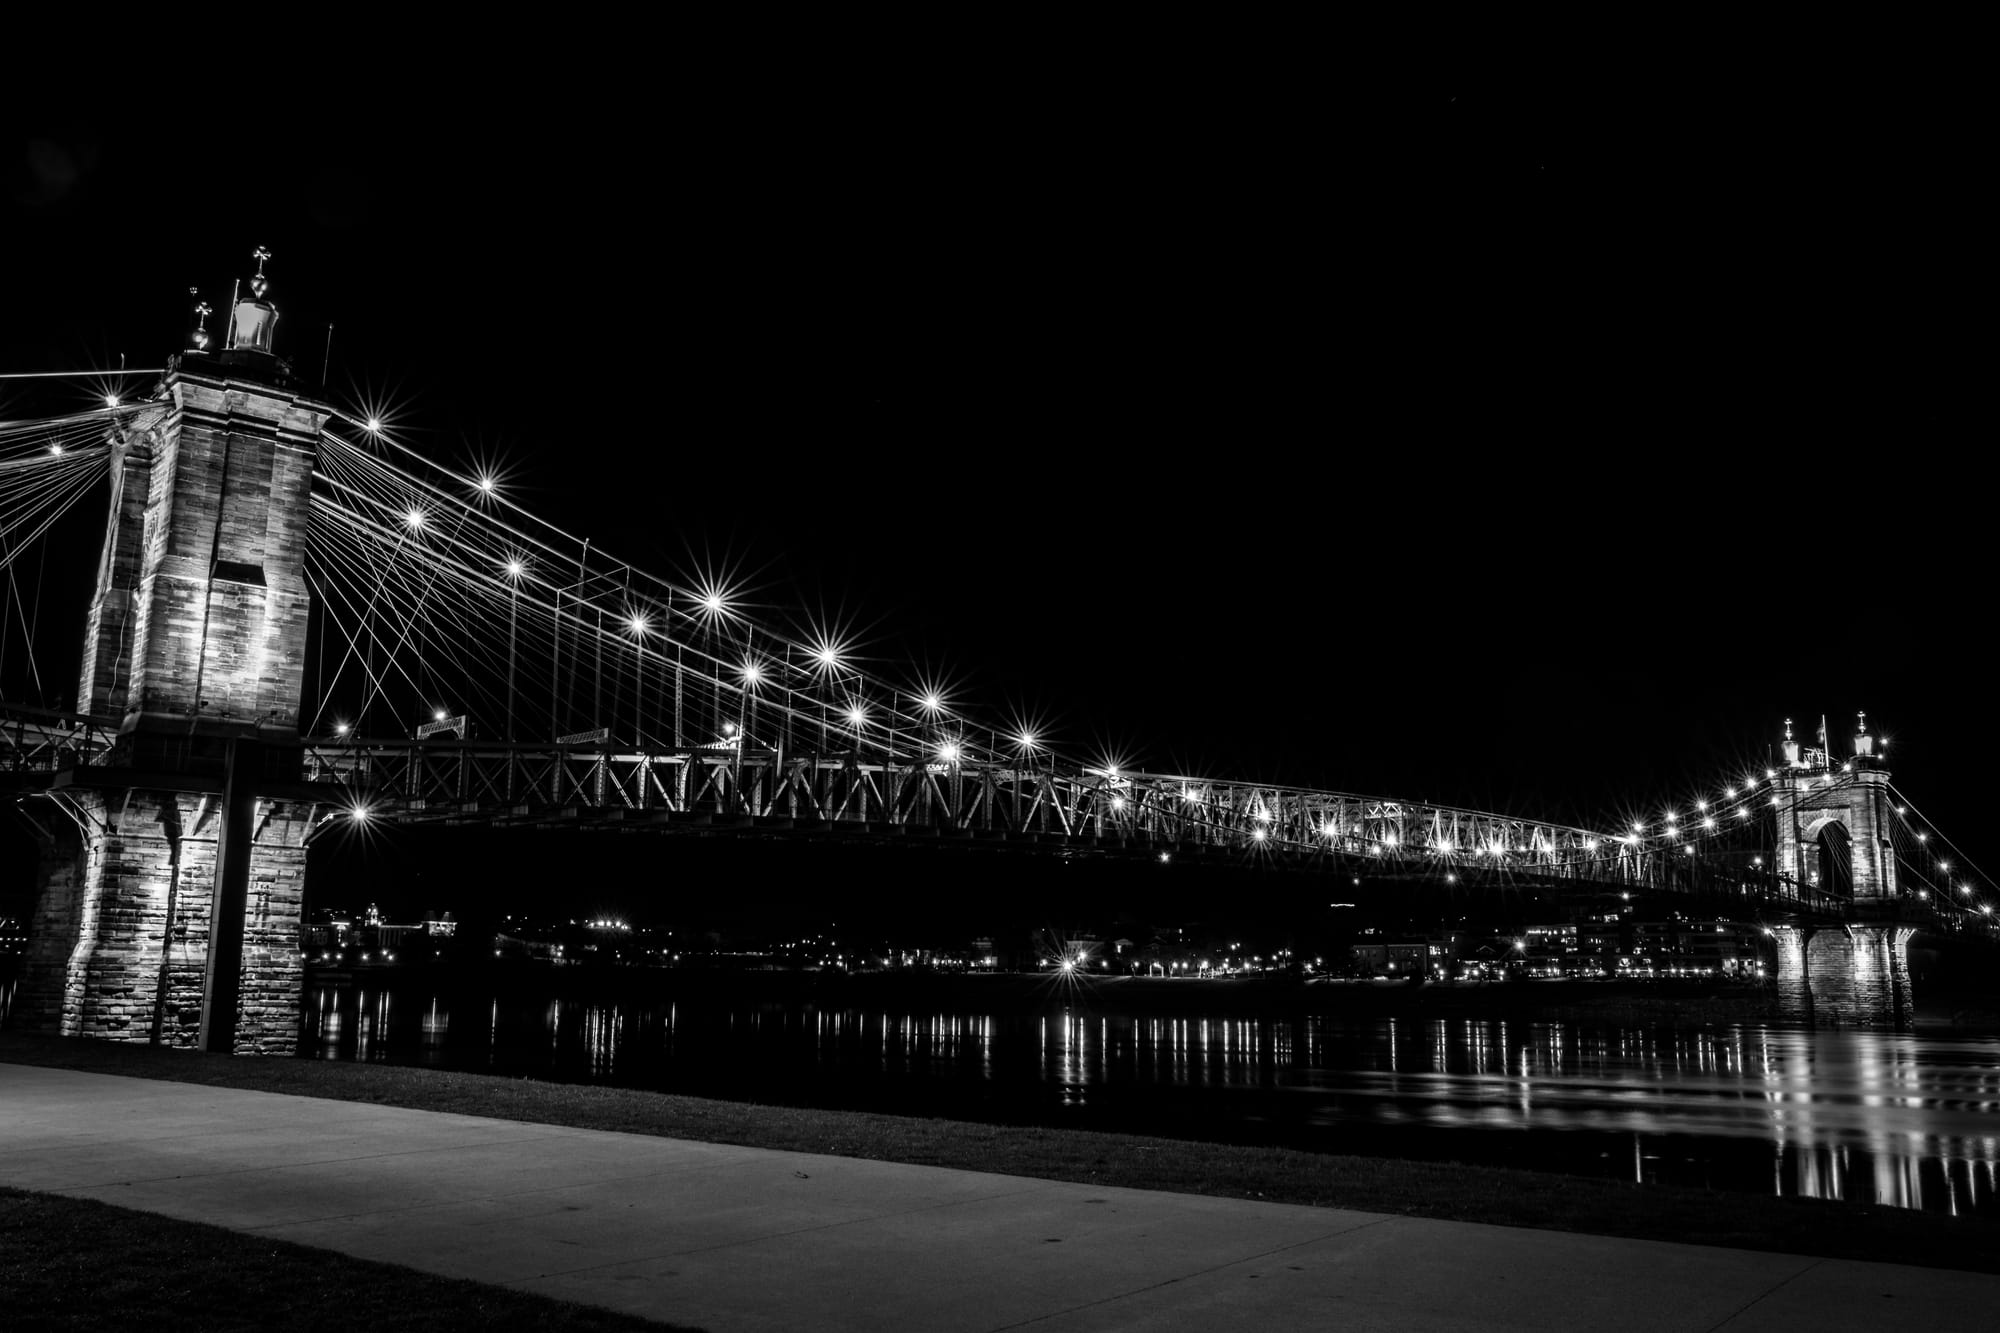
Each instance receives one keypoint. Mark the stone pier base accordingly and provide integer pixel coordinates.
(1856, 975)
(118, 943)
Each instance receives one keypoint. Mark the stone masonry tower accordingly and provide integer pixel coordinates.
(1835, 824)
(170, 896)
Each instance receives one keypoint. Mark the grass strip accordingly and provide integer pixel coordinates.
(78, 1264)
(1453, 1191)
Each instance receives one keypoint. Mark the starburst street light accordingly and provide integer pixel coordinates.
(637, 623)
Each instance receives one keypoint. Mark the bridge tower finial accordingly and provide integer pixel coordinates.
(1791, 747)
(1864, 744)
(254, 320)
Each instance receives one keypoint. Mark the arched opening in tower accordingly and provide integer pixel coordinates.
(1836, 861)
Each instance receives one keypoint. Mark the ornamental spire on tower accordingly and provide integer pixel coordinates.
(255, 320)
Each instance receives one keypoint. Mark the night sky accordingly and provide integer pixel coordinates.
(1531, 447)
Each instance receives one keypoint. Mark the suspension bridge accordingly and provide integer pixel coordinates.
(299, 625)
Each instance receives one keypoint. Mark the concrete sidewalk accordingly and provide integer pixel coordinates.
(744, 1238)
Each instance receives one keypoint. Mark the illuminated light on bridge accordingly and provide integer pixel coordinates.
(857, 716)
(373, 425)
(949, 752)
(486, 484)
(1118, 803)
(1708, 823)
(1260, 834)
(638, 624)
(414, 519)
(515, 569)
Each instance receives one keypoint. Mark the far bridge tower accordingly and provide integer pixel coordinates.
(169, 900)
(1834, 841)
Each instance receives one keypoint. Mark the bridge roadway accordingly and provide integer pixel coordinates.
(767, 792)
(731, 1238)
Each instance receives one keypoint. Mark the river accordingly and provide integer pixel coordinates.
(1871, 1116)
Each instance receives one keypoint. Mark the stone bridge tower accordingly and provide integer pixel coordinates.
(172, 882)
(1835, 824)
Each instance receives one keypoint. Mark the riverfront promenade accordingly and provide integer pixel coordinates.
(732, 1238)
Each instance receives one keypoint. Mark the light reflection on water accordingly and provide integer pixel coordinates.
(1870, 1116)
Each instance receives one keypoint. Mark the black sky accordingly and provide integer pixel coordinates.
(1527, 444)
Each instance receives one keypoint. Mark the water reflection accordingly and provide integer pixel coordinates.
(1873, 1116)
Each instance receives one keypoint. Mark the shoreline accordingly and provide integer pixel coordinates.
(1662, 1003)
(1499, 1194)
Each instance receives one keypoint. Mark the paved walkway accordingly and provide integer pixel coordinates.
(744, 1238)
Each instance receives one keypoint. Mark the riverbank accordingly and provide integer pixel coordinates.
(1673, 1003)
(1417, 1189)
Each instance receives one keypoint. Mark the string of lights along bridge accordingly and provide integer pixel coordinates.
(301, 623)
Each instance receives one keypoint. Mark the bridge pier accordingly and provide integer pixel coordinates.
(124, 927)
(1845, 974)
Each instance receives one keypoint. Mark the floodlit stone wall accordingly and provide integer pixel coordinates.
(119, 944)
